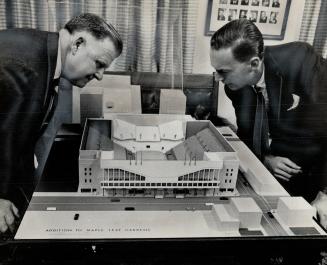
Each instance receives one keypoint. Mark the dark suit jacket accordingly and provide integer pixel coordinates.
(27, 64)
(300, 133)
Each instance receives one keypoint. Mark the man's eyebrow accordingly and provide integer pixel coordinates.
(222, 70)
(102, 64)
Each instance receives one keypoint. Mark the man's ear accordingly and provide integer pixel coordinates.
(76, 44)
(255, 62)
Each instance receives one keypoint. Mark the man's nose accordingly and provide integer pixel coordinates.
(99, 74)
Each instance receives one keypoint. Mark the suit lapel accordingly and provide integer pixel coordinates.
(52, 49)
(274, 86)
(50, 99)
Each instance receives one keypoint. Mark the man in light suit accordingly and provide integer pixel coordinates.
(292, 80)
(31, 62)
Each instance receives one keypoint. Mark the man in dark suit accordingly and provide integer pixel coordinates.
(221, 14)
(265, 3)
(31, 62)
(245, 2)
(232, 14)
(253, 16)
(243, 13)
(275, 3)
(263, 17)
(287, 86)
(255, 2)
(273, 18)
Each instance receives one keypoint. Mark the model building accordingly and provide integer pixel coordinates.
(155, 156)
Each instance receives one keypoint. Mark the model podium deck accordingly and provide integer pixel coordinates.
(155, 156)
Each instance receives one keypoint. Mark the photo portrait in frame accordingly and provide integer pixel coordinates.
(270, 16)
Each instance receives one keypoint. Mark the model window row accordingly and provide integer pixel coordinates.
(190, 184)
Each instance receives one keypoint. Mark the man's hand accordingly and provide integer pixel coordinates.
(320, 203)
(8, 213)
(282, 167)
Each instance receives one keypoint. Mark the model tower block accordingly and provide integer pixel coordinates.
(240, 212)
(295, 211)
(247, 211)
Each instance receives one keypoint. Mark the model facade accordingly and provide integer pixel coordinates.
(155, 156)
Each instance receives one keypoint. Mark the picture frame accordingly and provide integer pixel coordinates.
(270, 16)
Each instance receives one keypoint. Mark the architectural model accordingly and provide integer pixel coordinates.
(134, 171)
(239, 213)
(155, 156)
(295, 211)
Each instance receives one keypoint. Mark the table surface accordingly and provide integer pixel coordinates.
(248, 248)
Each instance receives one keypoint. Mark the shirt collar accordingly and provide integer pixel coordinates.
(262, 87)
(261, 83)
(58, 64)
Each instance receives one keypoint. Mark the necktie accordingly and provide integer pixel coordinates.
(261, 129)
(51, 105)
(55, 82)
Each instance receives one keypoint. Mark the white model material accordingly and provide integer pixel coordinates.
(172, 101)
(247, 211)
(240, 212)
(155, 156)
(117, 100)
(118, 95)
(117, 224)
(82, 215)
(224, 221)
(261, 180)
(137, 138)
(295, 211)
(114, 94)
(228, 133)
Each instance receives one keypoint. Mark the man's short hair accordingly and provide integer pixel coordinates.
(96, 26)
(242, 36)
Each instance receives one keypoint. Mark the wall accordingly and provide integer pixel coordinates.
(201, 62)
